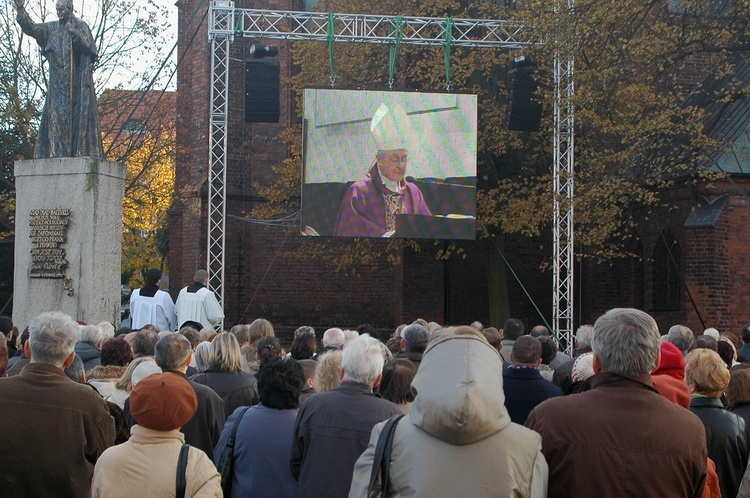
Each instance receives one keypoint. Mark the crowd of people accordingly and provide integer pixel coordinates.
(88, 410)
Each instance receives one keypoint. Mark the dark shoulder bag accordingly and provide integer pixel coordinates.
(381, 462)
(226, 462)
(181, 484)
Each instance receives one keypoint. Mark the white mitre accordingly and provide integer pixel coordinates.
(390, 127)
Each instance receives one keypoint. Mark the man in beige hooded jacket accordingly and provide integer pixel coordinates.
(458, 439)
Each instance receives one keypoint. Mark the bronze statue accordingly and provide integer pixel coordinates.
(70, 120)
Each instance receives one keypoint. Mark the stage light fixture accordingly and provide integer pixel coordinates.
(259, 51)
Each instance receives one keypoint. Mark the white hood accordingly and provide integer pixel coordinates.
(459, 387)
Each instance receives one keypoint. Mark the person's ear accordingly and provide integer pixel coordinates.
(597, 366)
(69, 360)
(538, 362)
(377, 381)
(189, 360)
(657, 364)
(27, 349)
(310, 383)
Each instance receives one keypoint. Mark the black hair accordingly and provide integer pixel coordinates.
(549, 349)
(513, 329)
(527, 350)
(153, 276)
(193, 325)
(280, 383)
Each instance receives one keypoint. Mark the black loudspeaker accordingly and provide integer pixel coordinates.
(524, 107)
(262, 92)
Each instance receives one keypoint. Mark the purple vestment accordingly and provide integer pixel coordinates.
(362, 212)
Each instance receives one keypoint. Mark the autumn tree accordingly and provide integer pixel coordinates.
(125, 32)
(635, 65)
(139, 130)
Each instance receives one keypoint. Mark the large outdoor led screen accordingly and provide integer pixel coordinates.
(389, 164)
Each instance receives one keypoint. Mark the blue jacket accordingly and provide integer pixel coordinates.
(524, 389)
(261, 452)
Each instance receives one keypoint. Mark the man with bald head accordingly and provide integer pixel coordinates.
(682, 337)
(333, 338)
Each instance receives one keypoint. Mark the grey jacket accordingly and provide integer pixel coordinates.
(458, 439)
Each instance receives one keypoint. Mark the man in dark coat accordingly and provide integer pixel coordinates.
(173, 354)
(333, 428)
(743, 354)
(414, 339)
(54, 428)
(523, 385)
(621, 436)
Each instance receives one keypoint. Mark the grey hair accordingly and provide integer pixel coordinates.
(91, 334)
(584, 335)
(201, 276)
(362, 360)
(52, 337)
(333, 338)
(305, 329)
(626, 342)
(201, 356)
(75, 370)
(681, 336)
(172, 351)
(241, 332)
(225, 352)
(415, 338)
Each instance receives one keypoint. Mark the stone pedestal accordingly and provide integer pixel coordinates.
(68, 238)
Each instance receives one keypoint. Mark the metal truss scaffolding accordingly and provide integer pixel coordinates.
(562, 285)
(226, 22)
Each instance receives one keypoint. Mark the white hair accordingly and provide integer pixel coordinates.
(349, 335)
(712, 332)
(91, 334)
(584, 334)
(202, 353)
(333, 338)
(108, 330)
(52, 337)
(363, 360)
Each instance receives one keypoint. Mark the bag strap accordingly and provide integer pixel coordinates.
(233, 436)
(382, 460)
(181, 470)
